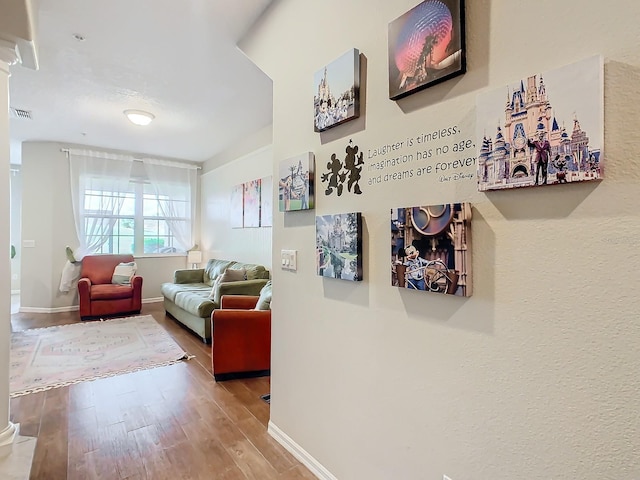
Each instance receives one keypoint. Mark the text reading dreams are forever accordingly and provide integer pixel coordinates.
(414, 164)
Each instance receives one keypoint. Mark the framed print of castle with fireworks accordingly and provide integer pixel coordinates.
(337, 91)
(426, 46)
(431, 248)
(339, 246)
(549, 131)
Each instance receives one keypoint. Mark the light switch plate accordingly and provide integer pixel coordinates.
(289, 260)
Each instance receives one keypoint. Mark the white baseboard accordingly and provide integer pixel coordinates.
(70, 308)
(300, 453)
(152, 300)
(74, 308)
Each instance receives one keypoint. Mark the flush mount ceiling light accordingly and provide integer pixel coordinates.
(139, 117)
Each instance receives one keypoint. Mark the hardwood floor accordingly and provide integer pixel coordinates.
(171, 422)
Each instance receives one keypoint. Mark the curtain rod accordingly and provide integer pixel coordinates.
(109, 156)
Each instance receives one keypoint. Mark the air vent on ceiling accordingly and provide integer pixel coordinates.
(19, 113)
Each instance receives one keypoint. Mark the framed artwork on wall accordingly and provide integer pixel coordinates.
(296, 183)
(251, 201)
(339, 246)
(431, 248)
(236, 206)
(266, 201)
(426, 46)
(337, 91)
(552, 132)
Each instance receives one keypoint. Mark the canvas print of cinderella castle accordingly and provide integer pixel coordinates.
(337, 96)
(339, 246)
(546, 129)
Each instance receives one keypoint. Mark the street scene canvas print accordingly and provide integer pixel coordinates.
(431, 248)
(543, 129)
(337, 91)
(426, 46)
(339, 246)
(296, 183)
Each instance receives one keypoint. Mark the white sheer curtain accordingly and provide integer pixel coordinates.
(175, 184)
(98, 172)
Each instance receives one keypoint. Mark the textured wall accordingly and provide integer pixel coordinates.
(536, 375)
(219, 240)
(47, 218)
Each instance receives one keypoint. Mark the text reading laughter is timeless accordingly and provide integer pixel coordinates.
(441, 151)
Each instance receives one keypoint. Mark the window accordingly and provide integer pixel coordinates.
(139, 227)
(98, 216)
(161, 220)
(126, 206)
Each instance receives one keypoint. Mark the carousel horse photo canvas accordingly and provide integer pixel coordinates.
(431, 248)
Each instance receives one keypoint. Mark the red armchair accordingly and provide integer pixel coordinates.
(98, 296)
(240, 339)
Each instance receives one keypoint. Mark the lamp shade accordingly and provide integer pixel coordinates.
(194, 256)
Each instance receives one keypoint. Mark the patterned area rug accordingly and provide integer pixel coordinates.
(44, 358)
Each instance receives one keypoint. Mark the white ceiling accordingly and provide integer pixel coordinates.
(175, 59)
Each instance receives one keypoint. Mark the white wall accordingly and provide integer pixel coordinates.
(536, 375)
(219, 240)
(16, 208)
(47, 219)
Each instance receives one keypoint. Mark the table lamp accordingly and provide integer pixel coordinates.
(194, 257)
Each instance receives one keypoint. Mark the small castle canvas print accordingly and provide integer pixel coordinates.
(339, 246)
(337, 91)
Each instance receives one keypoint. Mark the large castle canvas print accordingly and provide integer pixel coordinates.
(544, 129)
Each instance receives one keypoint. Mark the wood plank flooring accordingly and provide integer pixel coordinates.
(171, 422)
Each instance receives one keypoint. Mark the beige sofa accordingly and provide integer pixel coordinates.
(191, 298)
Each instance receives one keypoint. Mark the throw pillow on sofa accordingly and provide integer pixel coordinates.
(123, 273)
(229, 275)
(264, 301)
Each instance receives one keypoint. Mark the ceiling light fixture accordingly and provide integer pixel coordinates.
(139, 117)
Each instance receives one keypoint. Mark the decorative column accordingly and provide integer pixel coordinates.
(8, 431)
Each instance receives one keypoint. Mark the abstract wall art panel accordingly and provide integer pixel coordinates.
(431, 248)
(266, 201)
(544, 129)
(426, 46)
(337, 91)
(236, 207)
(251, 200)
(339, 246)
(296, 183)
